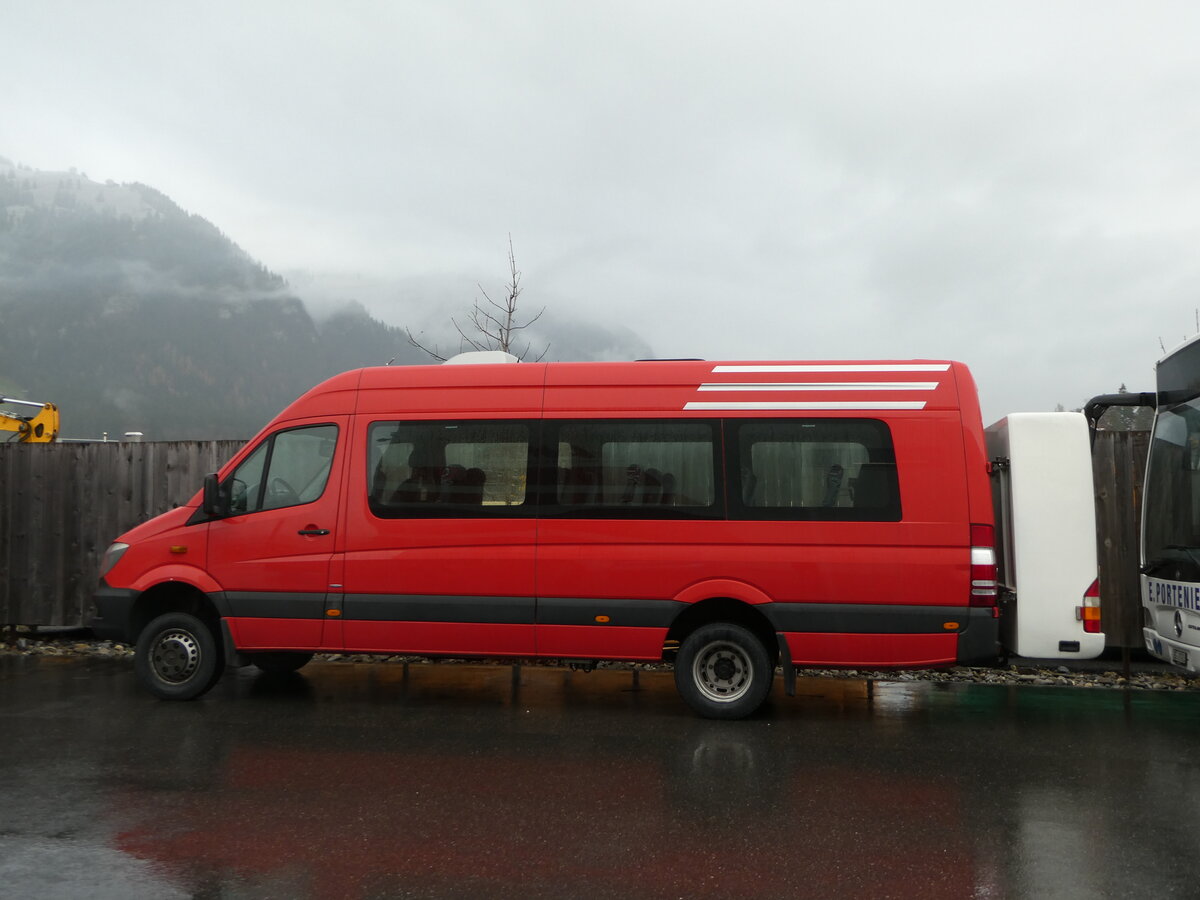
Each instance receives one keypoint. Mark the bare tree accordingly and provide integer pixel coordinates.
(491, 325)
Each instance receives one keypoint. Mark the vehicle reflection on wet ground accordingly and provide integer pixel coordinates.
(358, 780)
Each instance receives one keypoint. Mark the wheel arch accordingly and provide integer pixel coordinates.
(173, 596)
(750, 616)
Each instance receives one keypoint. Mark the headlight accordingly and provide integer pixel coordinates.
(112, 556)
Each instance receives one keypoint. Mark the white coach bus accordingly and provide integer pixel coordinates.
(1170, 551)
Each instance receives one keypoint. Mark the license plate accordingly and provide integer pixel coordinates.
(1179, 657)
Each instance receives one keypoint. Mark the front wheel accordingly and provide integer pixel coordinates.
(178, 657)
(723, 671)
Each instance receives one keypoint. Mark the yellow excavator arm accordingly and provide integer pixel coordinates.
(40, 427)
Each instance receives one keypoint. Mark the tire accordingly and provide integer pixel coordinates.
(723, 671)
(178, 657)
(280, 663)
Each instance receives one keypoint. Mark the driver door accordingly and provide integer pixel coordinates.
(272, 555)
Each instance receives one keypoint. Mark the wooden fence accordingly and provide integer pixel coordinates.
(62, 504)
(1118, 467)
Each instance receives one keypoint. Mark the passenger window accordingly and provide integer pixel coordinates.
(636, 468)
(831, 469)
(289, 468)
(447, 468)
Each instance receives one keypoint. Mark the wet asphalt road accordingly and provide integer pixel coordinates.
(371, 781)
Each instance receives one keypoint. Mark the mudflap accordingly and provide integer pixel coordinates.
(233, 658)
(785, 660)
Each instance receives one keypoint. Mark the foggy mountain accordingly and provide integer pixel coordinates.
(425, 303)
(133, 315)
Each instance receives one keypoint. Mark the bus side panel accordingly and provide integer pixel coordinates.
(439, 638)
(592, 642)
(922, 560)
(792, 562)
(978, 485)
(881, 651)
(429, 580)
(253, 633)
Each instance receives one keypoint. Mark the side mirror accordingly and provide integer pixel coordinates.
(216, 502)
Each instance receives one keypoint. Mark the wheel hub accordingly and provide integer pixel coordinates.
(175, 657)
(722, 671)
(724, 668)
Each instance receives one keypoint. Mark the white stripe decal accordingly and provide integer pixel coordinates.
(878, 367)
(827, 386)
(801, 404)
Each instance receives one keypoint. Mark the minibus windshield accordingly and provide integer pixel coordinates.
(1172, 513)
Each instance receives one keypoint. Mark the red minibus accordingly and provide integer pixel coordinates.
(726, 517)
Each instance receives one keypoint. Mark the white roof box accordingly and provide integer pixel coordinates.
(481, 357)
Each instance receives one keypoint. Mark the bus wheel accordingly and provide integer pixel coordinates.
(723, 671)
(177, 657)
(280, 663)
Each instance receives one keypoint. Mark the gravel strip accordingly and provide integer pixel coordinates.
(1152, 677)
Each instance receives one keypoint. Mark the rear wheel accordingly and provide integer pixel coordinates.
(280, 663)
(723, 671)
(178, 657)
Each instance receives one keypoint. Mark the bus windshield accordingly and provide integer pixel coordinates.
(1172, 511)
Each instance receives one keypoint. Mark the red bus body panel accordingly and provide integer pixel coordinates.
(375, 584)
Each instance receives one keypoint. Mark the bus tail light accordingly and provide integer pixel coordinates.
(1089, 612)
(983, 566)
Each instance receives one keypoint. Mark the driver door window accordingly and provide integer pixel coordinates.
(290, 468)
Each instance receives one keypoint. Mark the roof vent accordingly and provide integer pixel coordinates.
(479, 357)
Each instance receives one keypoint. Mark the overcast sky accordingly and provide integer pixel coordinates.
(1016, 185)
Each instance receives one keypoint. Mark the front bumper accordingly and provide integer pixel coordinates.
(113, 609)
(1186, 656)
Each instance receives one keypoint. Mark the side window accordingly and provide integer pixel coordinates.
(636, 469)
(289, 468)
(420, 469)
(818, 469)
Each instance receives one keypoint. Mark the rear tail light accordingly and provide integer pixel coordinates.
(983, 566)
(1089, 612)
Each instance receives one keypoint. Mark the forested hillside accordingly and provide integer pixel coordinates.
(133, 315)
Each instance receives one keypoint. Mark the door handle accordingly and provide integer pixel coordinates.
(313, 532)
